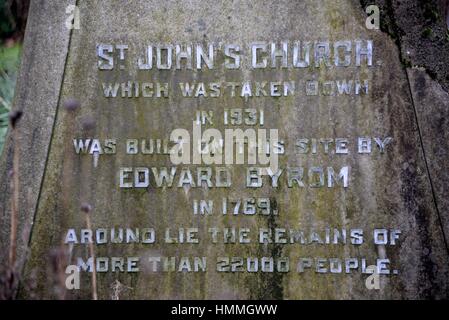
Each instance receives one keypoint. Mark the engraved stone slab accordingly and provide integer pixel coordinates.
(324, 194)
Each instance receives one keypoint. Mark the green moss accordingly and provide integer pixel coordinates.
(427, 32)
(430, 11)
(9, 64)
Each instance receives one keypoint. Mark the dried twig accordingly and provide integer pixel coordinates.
(9, 277)
(87, 208)
(14, 117)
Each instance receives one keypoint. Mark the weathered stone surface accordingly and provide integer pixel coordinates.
(390, 190)
(420, 30)
(432, 109)
(37, 95)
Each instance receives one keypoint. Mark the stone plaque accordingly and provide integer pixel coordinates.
(222, 150)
